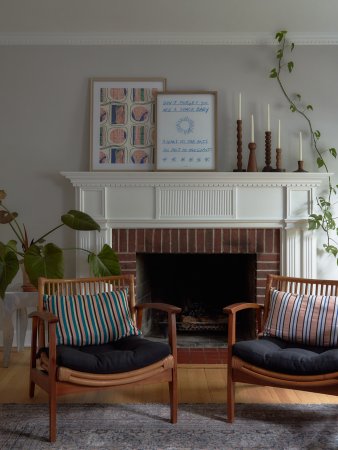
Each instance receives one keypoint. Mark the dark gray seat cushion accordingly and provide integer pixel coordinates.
(129, 353)
(285, 357)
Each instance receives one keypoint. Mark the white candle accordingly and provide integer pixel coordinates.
(240, 106)
(300, 146)
(252, 129)
(268, 118)
(278, 141)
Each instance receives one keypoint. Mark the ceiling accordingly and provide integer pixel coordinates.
(168, 16)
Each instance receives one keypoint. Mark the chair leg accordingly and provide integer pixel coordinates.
(230, 397)
(173, 397)
(31, 389)
(52, 414)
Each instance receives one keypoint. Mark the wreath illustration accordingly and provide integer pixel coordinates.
(185, 125)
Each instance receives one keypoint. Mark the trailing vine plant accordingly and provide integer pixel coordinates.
(325, 219)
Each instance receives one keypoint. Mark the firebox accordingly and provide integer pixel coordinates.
(202, 285)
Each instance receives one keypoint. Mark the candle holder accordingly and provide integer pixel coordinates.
(268, 167)
(252, 163)
(300, 167)
(279, 161)
(239, 148)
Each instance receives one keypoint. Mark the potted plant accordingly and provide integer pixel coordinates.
(39, 258)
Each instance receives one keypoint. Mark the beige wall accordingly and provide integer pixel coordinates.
(44, 112)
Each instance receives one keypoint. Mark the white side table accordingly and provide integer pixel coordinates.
(16, 301)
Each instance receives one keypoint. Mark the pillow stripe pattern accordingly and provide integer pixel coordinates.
(304, 319)
(91, 319)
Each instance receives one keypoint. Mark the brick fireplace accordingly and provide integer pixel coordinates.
(264, 214)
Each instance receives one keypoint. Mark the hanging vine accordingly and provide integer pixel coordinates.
(325, 219)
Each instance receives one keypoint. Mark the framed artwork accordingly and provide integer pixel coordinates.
(186, 130)
(122, 129)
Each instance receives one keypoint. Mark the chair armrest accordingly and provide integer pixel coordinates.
(171, 311)
(44, 315)
(235, 307)
(160, 306)
(232, 310)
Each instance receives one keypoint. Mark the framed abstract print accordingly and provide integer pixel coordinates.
(186, 130)
(122, 131)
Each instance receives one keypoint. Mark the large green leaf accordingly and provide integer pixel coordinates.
(43, 261)
(9, 266)
(105, 263)
(78, 220)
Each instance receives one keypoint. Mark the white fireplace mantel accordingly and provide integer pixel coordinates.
(204, 200)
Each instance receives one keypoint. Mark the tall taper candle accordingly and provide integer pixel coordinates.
(278, 140)
(240, 106)
(300, 146)
(252, 129)
(268, 118)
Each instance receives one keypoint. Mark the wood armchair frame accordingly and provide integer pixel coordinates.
(241, 371)
(57, 381)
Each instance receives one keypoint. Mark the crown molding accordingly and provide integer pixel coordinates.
(159, 38)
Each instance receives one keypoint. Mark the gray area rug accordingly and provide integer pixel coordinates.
(147, 427)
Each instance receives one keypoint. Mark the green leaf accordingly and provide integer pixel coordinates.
(309, 107)
(105, 263)
(280, 35)
(290, 66)
(323, 202)
(298, 96)
(333, 152)
(9, 267)
(320, 162)
(279, 54)
(78, 220)
(292, 46)
(331, 249)
(43, 261)
(273, 73)
(293, 108)
(317, 134)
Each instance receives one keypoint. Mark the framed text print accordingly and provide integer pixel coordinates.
(186, 130)
(122, 128)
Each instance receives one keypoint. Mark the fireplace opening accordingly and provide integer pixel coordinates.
(202, 285)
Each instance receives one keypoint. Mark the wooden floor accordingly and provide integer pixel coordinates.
(197, 384)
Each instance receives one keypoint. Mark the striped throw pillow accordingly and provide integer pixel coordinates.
(91, 319)
(304, 319)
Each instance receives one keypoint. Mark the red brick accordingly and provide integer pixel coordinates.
(131, 240)
(260, 241)
(183, 240)
(174, 241)
(217, 240)
(123, 243)
(268, 257)
(140, 236)
(166, 240)
(243, 241)
(200, 240)
(209, 240)
(276, 241)
(149, 241)
(269, 241)
(226, 240)
(192, 241)
(234, 232)
(252, 240)
(157, 244)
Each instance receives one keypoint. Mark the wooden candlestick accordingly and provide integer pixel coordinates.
(279, 160)
(300, 167)
(268, 167)
(239, 147)
(252, 163)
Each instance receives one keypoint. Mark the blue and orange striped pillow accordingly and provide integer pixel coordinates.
(304, 319)
(91, 319)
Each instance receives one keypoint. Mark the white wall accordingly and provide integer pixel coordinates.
(44, 112)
